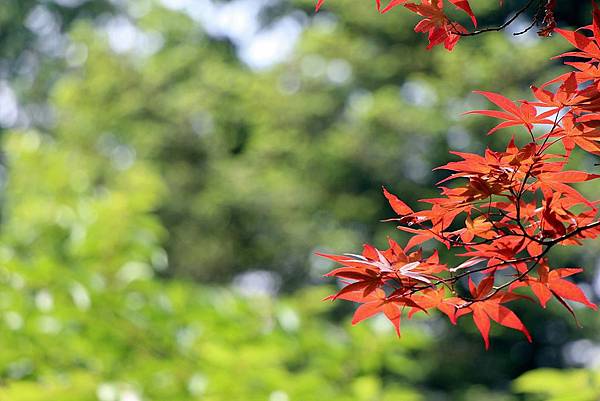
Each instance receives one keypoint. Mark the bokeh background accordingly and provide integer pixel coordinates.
(169, 168)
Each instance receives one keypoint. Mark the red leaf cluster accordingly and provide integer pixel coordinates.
(503, 211)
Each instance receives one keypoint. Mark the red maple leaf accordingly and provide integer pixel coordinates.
(491, 308)
(378, 302)
(503, 209)
(524, 114)
(436, 24)
(552, 282)
(588, 46)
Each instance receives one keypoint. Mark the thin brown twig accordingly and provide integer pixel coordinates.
(500, 27)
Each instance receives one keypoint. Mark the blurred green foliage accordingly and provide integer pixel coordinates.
(84, 318)
(560, 385)
(136, 170)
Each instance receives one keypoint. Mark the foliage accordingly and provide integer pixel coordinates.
(158, 164)
(556, 385)
(34, 49)
(516, 206)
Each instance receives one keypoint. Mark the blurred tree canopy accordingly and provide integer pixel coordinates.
(144, 152)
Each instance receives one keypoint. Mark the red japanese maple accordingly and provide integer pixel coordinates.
(504, 210)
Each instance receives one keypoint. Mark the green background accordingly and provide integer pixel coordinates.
(162, 201)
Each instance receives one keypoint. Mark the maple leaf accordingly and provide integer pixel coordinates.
(503, 248)
(566, 95)
(588, 46)
(552, 282)
(365, 275)
(480, 227)
(468, 263)
(526, 114)
(377, 302)
(585, 72)
(549, 182)
(491, 308)
(436, 24)
(399, 207)
(435, 298)
(374, 268)
(584, 134)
